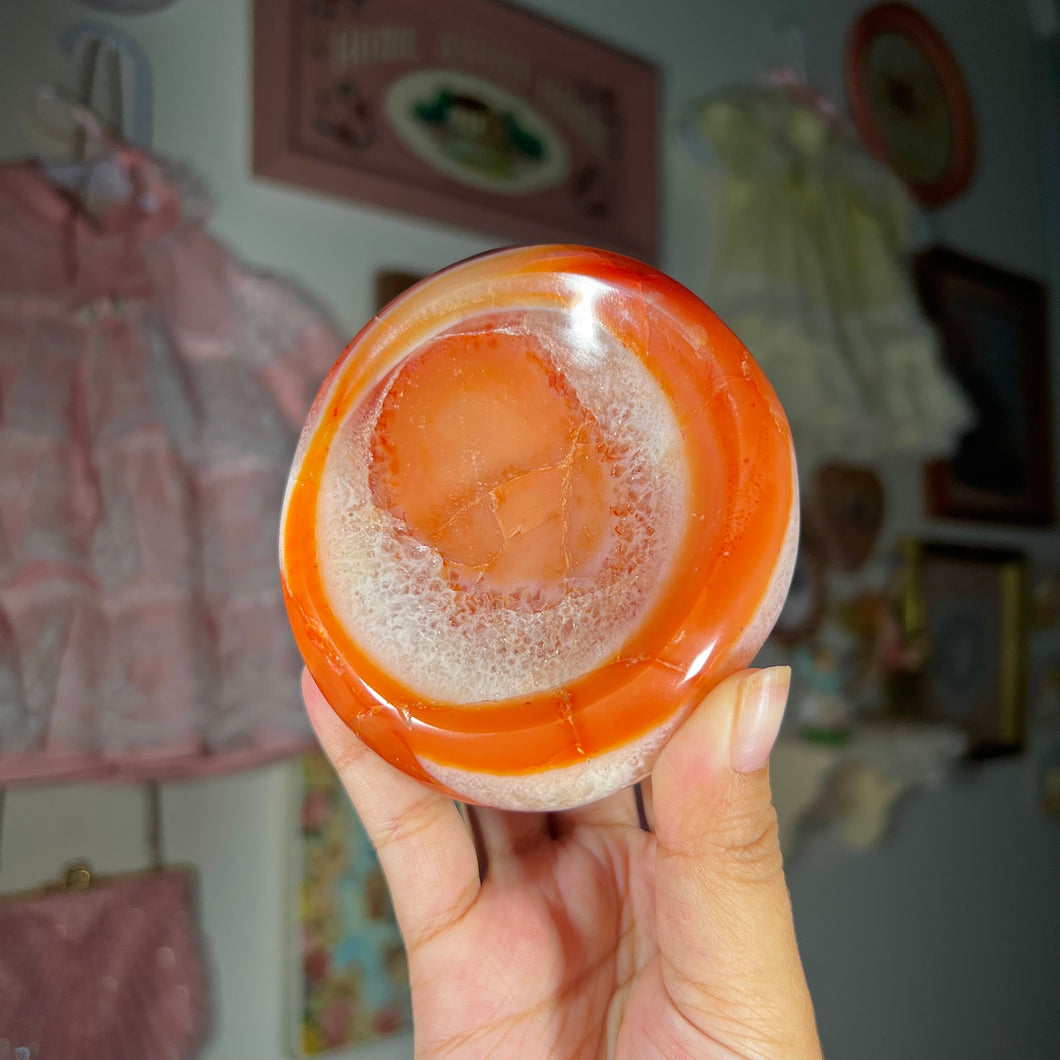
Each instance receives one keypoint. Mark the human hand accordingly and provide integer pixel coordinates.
(588, 937)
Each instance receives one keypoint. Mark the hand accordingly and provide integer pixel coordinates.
(587, 936)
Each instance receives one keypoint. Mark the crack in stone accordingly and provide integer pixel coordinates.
(490, 494)
(567, 715)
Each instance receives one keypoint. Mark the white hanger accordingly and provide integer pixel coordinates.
(95, 174)
(786, 71)
(107, 44)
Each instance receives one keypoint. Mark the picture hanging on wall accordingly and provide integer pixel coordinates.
(349, 986)
(472, 113)
(910, 102)
(992, 327)
(969, 605)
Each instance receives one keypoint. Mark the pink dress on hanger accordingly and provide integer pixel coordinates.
(151, 393)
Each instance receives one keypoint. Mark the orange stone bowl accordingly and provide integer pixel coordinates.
(543, 502)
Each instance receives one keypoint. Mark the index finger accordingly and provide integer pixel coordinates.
(424, 847)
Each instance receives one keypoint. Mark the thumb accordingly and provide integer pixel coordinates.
(726, 935)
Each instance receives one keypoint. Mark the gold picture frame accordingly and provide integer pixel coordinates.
(969, 605)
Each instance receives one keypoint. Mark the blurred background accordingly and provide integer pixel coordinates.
(868, 195)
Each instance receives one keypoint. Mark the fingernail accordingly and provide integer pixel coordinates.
(760, 704)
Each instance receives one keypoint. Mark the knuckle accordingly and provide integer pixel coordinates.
(747, 845)
(427, 927)
(414, 819)
(347, 758)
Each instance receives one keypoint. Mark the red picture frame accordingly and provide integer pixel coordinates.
(889, 131)
(471, 112)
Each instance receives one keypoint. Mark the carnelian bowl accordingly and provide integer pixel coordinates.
(543, 502)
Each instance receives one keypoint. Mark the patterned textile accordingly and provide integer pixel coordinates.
(151, 393)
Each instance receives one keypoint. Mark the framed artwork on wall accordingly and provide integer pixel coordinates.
(472, 112)
(969, 605)
(910, 102)
(992, 327)
(349, 986)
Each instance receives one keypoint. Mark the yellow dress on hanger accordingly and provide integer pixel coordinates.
(811, 246)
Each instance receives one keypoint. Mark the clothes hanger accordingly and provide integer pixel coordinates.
(785, 73)
(96, 126)
(62, 117)
(102, 44)
(96, 175)
(102, 169)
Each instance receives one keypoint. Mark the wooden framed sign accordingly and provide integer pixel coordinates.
(470, 112)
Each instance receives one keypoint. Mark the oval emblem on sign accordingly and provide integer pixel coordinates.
(476, 132)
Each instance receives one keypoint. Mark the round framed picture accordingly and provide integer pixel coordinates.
(910, 101)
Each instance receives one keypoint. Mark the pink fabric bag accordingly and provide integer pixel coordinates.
(106, 969)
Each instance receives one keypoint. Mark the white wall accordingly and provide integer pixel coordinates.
(946, 941)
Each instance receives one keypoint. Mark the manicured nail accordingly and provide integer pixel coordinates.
(760, 702)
